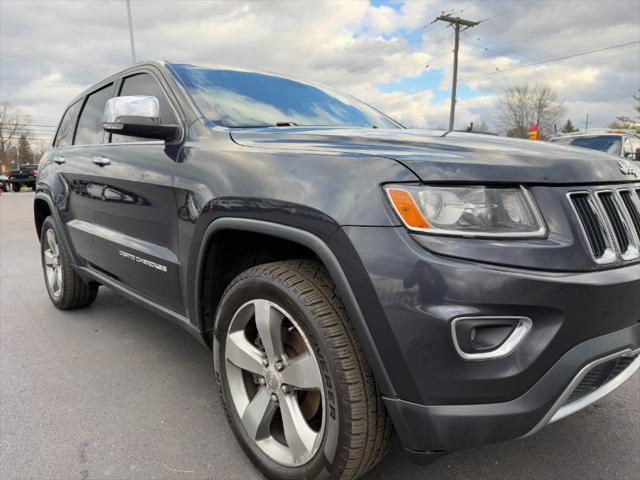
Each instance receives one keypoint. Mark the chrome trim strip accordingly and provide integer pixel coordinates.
(631, 253)
(559, 410)
(507, 347)
(609, 255)
(635, 201)
(597, 394)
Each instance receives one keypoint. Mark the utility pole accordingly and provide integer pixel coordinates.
(586, 124)
(456, 22)
(133, 46)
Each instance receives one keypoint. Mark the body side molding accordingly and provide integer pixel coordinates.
(174, 317)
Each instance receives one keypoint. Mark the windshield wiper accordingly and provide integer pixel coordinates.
(286, 124)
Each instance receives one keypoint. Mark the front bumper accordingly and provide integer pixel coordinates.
(435, 428)
(443, 402)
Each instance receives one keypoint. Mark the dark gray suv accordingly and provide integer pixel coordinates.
(352, 278)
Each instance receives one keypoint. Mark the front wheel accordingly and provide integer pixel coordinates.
(296, 387)
(65, 287)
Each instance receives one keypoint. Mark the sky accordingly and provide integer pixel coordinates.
(391, 54)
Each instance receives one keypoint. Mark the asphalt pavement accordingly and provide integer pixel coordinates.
(114, 392)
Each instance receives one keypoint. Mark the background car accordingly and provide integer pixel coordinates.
(25, 175)
(4, 183)
(614, 142)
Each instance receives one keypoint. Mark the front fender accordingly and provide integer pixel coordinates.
(331, 262)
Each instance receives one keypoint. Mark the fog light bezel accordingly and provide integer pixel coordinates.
(507, 347)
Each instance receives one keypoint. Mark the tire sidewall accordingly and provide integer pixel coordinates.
(321, 465)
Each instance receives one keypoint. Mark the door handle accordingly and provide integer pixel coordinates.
(59, 159)
(101, 161)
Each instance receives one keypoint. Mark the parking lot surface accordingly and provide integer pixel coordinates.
(112, 391)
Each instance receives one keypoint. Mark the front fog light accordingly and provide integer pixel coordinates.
(488, 338)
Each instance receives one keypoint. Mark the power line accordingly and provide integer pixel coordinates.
(505, 12)
(518, 67)
(485, 49)
(362, 67)
(384, 47)
(551, 60)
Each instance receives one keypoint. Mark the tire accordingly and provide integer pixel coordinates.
(353, 431)
(33, 187)
(16, 187)
(65, 287)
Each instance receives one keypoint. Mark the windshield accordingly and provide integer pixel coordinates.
(234, 98)
(605, 143)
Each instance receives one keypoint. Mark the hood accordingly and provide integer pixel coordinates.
(458, 157)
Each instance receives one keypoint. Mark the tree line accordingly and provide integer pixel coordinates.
(15, 147)
(525, 105)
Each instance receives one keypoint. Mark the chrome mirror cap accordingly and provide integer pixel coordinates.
(145, 110)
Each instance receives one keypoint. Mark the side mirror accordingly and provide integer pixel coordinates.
(137, 116)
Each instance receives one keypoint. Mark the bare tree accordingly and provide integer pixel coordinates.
(523, 106)
(12, 125)
(625, 122)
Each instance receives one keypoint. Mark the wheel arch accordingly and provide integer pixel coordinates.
(307, 242)
(41, 210)
(43, 204)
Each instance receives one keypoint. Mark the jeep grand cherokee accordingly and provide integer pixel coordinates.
(352, 278)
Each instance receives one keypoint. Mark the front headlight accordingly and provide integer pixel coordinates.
(473, 211)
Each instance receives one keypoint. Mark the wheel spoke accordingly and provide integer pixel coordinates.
(48, 258)
(54, 284)
(300, 437)
(51, 274)
(258, 414)
(242, 354)
(51, 240)
(58, 278)
(269, 325)
(303, 372)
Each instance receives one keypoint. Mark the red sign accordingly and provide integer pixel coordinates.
(534, 132)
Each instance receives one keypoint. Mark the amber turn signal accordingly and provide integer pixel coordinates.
(406, 207)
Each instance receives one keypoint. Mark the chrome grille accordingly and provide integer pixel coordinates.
(633, 208)
(610, 222)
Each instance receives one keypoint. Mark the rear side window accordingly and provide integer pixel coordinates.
(90, 131)
(64, 137)
(145, 84)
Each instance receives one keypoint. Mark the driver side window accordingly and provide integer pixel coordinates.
(145, 84)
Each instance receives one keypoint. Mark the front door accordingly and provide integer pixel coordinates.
(134, 206)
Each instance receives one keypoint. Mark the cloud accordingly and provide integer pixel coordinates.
(49, 51)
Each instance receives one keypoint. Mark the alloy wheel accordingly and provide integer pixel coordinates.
(275, 382)
(53, 263)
